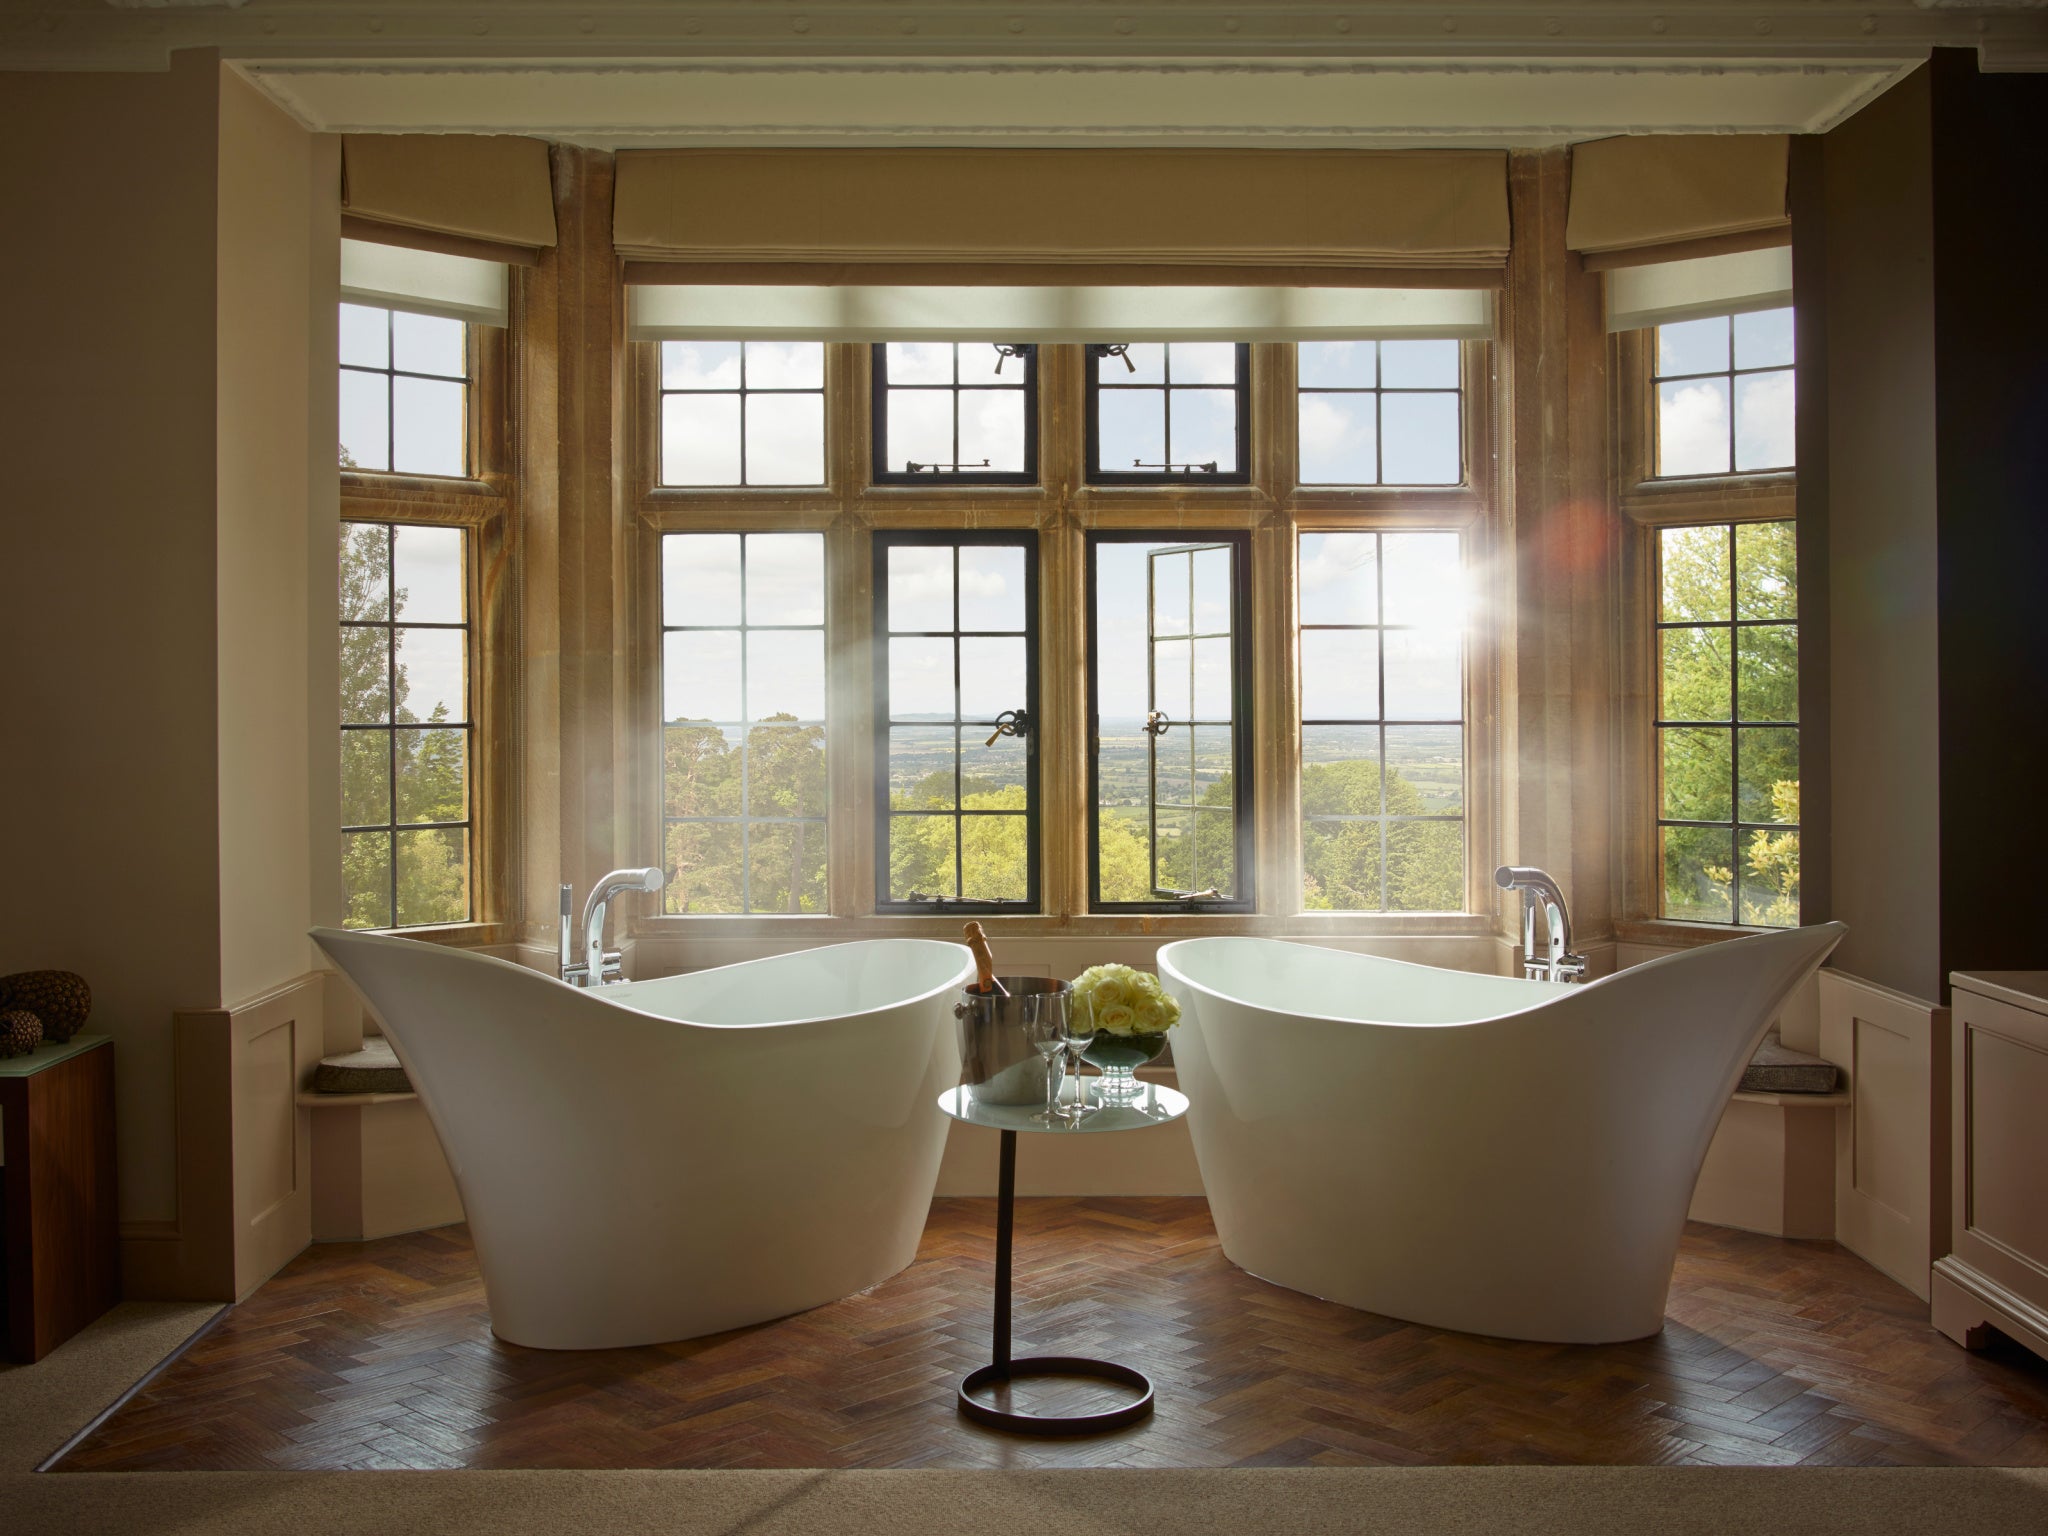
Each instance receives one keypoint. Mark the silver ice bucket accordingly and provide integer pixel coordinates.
(998, 1062)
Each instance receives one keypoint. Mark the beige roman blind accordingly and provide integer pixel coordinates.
(967, 217)
(1661, 197)
(494, 189)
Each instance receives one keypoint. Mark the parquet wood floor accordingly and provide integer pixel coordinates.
(380, 1355)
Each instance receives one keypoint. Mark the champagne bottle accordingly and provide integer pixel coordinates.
(984, 962)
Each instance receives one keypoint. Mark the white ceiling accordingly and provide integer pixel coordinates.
(651, 72)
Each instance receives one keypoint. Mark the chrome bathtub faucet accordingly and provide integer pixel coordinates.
(1538, 889)
(599, 966)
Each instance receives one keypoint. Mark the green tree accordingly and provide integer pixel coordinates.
(1425, 860)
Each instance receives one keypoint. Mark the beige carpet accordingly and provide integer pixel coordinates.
(1429, 1501)
(45, 1404)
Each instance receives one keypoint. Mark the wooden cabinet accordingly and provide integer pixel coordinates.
(63, 1264)
(1996, 1272)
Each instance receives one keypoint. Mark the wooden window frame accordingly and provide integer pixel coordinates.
(480, 502)
(1063, 507)
(1648, 505)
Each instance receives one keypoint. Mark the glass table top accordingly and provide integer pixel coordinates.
(1154, 1105)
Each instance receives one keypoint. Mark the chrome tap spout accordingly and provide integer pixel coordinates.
(598, 965)
(1558, 962)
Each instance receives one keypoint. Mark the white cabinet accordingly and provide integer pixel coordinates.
(1996, 1272)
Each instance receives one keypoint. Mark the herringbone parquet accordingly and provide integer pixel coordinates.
(380, 1355)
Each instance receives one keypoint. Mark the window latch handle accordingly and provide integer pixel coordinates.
(1156, 722)
(1011, 722)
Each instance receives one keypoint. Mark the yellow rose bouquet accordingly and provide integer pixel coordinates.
(1129, 1014)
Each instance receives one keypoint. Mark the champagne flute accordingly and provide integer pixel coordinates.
(1046, 1030)
(1077, 1033)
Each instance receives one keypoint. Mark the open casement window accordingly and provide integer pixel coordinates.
(956, 709)
(1728, 724)
(1169, 413)
(955, 413)
(406, 746)
(1169, 702)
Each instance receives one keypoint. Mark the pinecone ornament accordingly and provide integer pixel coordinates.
(20, 1032)
(60, 999)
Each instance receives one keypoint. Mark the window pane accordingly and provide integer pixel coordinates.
(1693, 563)
(701, 770)
(1697, 772)
(1769, 878)
(1211, 595)
(705, 867)
(1339, 578)
(1764, 339)
(427, 427)
(920, 587)
(991, 586)
(1766, 571)
(1767, 672)
(786, 578)
(1764, 421)
(1692, 427)
(1340, 865)
(365, 571)
(1215, 782)
(1424, 676)
(365, 778)
(700, 675)
(1172, 577)
(432, 677)
(1203, 362)
(365, 675)
(1204, 428)
(700, 578)
(1123, 841)
(1421, 446)
(991, 677)
(365, 420)
(1340, 678)
(1425, 770)
(366, 879)
(993, 776)
(785, 439)
(786, 674)
(921, 684)
(1418, 365)
(1172, 680)
(1340, 773)
(1133, 428)
(786, 867)
(700, 440)
(1338, 364)
(1770, 775)
(1425, 584)
(785, 365)
(1699, 873)
(922, 760)
(978, 362)
(428, 344)
(428, 574)
(1425, 866)
(921, 857)
(1143, 362)
(1693, 346)
(786, 773)
(1212, 680)
(993, 861)
(365, 336)
(433, 876)
(700, 365)
(1339, 440)
(992, 428)
(432, 774)
(918, 362)
(920, 429)
(1697, 675)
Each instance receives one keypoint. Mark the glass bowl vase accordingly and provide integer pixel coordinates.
(1119, 1057)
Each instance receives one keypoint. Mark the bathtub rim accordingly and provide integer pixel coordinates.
(598, 994)
(1539, 1000)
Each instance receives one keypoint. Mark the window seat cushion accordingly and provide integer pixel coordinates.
(1777, 1068)
(373, 1069)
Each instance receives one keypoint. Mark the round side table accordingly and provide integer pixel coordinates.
(1154, 1106)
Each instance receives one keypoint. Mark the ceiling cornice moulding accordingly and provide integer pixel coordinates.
(136, 34)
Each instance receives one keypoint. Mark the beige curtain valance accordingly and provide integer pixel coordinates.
(961, 209)
(480, 187)
(1650, 194)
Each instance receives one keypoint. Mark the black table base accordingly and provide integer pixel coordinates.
(1003, 1368)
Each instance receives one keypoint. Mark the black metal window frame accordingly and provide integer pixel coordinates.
(884, 473)
(741, 392)
(746, 725)
(1242, 723)
(1731, 373)
(1026, 540)
(391, 624)
(1735, 725)
(1379, 390)
(391, 373)
(1097, 354)
(1381, 628)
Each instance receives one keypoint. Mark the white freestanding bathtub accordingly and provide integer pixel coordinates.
(1498, 1156)
(662, 1159)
